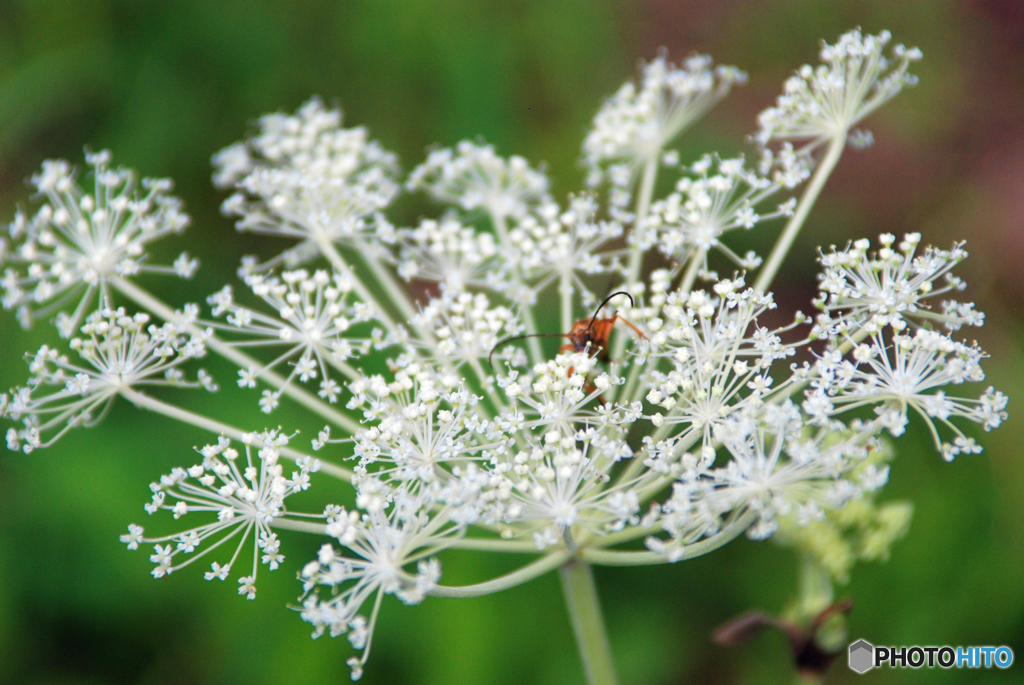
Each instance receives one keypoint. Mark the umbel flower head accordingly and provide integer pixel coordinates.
(306, 177)
(820, 103)
(244, 497)
(898, 376)
(684, 424)
(80, 239)
(117, 352)
(892, 286)
(314, 316)
(473, 177)
(717, 196)
(378, 545)
(636, 124)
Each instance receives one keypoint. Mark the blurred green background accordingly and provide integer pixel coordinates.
(166, 84)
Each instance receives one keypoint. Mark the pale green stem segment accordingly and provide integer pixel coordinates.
(565, 290)
(301, 526)
(587, 622)
(691, 271)
(536, 354)
(796, 222)
(185, 416)
(489, 545)
(526, 573)
(242, 360)
(729, 532)
(636, 263)
(636, 257)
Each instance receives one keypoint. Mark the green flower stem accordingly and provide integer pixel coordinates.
(536, 354)
(692, 270)
(587, 623)
(796, 222)
(565, 290)
(727, 534)
(240, 359)
(524, 574)
(399, 295)
(185, 416)
(491, 545)
(636, 257)
(328, 249)
(301, 526)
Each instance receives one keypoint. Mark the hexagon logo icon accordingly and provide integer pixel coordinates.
(862, 656)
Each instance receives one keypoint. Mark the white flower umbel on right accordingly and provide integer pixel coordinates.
(823, 102)
(910, 372)
(893, 286)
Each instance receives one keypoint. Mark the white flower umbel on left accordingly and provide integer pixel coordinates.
(118, 353)
(239, 497)
(80, 239)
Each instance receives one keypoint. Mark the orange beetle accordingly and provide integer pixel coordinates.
(587, 335)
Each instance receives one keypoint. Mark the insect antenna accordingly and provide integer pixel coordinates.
(593, 319)
(500, 343)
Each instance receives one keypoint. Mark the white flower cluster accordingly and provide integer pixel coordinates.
(890, 287)
(671, 413)
(901, 373)
(303, 176)
(635, 124)
(819, 103)
(118, 353)
(691, 222)
(473, 177)
(246, 497)
(79, 240)
(382, 543)
(313, 321)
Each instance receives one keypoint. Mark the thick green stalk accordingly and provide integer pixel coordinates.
(587, 622)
